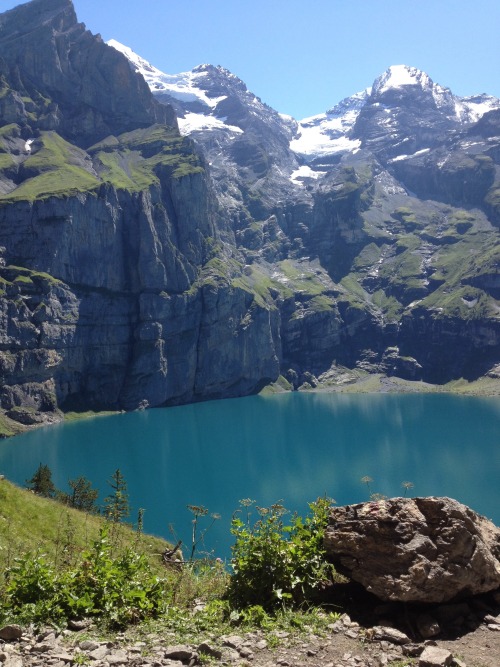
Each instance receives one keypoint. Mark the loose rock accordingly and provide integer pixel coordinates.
(207, 649)
(433, 656)
(427, 626)
(392, 635)
(415, 549)
(182, 653)
(11, 632)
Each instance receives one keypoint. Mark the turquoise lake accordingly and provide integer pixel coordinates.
(289, 447)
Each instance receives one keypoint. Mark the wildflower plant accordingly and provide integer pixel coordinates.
(276, 564)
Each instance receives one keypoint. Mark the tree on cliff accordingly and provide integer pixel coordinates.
(41, 483)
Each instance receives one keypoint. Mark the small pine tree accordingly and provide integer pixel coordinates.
(116, 506)
(41, 483)
(82, 497)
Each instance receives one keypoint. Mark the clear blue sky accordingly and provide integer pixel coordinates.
(302, 57)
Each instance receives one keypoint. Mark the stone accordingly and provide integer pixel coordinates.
(99, 653)
(233, 641)
(380, 632)
(63, 657)
(427, 626)
(336, 627)
(489, 618)
(89, 645)
(230, 655)
(207, 649)
(11, 632)
(78, 625)
(415, 549)
(42, 647)
(183, 653)
(246, 653)
(119, 657)
(15, 661)
(412, 650)
(432, 656)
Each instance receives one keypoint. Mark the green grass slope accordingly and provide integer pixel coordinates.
(50, 166)
(29, 523)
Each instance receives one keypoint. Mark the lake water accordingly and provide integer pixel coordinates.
(289, 447)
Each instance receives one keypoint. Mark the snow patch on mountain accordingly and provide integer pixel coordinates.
(326, 134)
(398, 76)
(305, 172)
(316, 142)
(475, 106)
(462, 109)
(182, 87)
(197, 122)
(406, 157)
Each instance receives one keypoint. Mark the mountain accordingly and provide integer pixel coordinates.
(171, 238)
(245, 141)
(370, 177)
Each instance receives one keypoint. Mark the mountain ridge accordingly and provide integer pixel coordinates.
(316, 137)
(400, 75)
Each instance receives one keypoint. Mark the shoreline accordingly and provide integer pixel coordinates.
(347, 381)
(338, 380)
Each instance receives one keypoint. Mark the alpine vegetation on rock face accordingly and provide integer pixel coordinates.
(140, 265)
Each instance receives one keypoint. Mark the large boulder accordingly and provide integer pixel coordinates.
(415, 550)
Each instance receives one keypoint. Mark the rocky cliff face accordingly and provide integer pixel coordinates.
(393, 192)
(46, 56)
(140, 266)
(108, 224)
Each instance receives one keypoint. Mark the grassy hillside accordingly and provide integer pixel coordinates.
(58, 564)
(29, 523)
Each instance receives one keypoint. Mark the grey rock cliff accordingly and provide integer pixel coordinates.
(104, 302)
(48, 56)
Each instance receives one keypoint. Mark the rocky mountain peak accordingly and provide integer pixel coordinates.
(352, 103)
(57, 14)
(137, 270)
(400, 76)
(219, 79)
(403, 83)
(51, 65)
(198, 91)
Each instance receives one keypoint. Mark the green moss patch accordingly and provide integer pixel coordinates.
(466, 303)
(21, 274)
(135, 160)
(57, 168)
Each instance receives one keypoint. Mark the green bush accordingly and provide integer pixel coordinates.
(117, 590)
(277, 565)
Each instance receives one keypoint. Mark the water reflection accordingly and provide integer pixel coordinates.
(291, 447)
